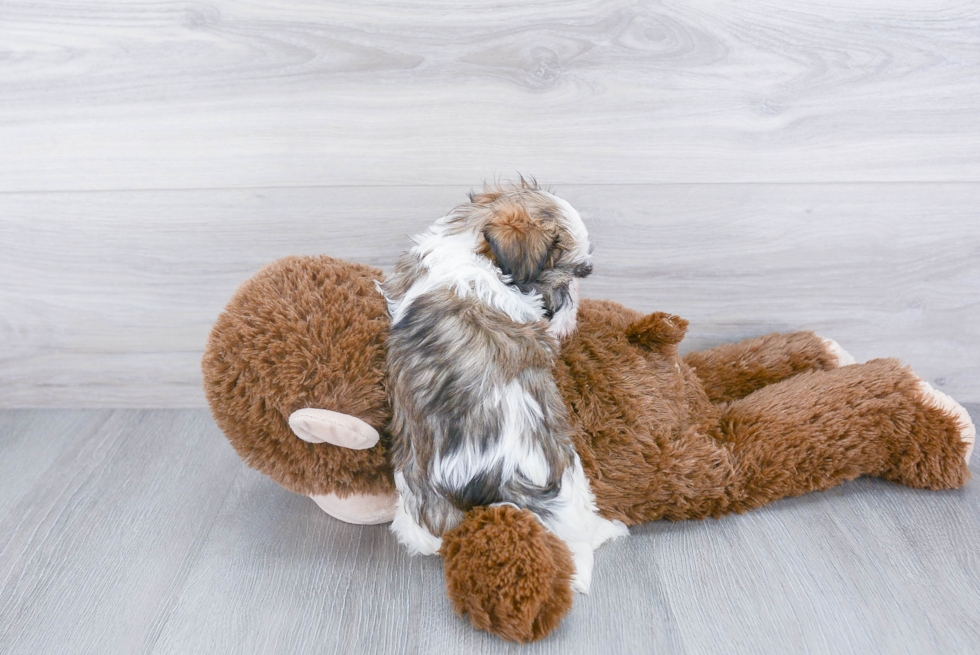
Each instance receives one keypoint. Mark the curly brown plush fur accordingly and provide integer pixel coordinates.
(654, 446)
(502, 547)
(303, 332)
(735, 370)
(660, 436)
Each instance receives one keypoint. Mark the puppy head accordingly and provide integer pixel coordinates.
(539, 241)
(519, 243)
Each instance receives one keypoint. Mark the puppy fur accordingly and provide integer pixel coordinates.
(477, 308)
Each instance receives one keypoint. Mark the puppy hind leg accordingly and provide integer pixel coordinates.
(573, 517)
(583, 557)
(407, 528)
(412, 535)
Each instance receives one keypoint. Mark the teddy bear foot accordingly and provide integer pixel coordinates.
(359, 509)
(507, 573)
(968, 431)
(844, 358)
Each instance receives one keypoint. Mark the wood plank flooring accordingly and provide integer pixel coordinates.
(133, 531)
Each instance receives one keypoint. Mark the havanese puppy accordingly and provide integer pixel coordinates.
(478, 308)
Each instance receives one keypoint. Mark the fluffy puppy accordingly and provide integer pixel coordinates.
(477, 308)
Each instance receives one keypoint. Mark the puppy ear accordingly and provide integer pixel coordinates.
(485, 197)
(518, 245)
(489, 195)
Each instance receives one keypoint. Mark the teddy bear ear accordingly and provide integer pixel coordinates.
(658, 331)
(517, 244)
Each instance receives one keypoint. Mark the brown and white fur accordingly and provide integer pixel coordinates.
(477, 309)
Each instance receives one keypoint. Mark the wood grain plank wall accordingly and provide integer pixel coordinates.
(150, 95)
(108, 296)
(752, 166)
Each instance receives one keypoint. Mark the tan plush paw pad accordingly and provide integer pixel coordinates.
(361, 509)
(844, 358)
(325, 426)
(968, 431)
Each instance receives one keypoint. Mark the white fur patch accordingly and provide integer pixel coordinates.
(410, 534)
(576, 521)
(575, 226)
(513, 451)
(451, 262)
(844, 358)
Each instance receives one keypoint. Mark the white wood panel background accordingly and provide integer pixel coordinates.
(99, 94)
(752, 166)
(109, 296)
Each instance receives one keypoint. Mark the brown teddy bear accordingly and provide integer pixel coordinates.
(299, 351)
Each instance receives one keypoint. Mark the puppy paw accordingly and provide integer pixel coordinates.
(583, 558)
(415, 537)
(844, 358)
(968, 431)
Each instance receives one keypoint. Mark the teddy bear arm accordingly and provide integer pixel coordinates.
(733, 371)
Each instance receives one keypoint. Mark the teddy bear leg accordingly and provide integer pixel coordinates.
(819, 428)
(925, 462)
(735, 370)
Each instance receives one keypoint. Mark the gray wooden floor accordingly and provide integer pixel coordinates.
(139, 531)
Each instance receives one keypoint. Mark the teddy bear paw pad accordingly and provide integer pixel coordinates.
(844, 358)
(968, 431)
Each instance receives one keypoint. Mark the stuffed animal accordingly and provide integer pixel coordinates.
(294, 374)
